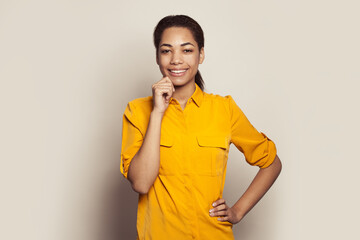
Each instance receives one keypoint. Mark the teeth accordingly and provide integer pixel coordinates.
(177, 71)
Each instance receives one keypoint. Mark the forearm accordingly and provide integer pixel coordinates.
(262, 182)
(144, 166)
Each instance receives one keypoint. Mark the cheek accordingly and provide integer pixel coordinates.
(194, 57)
(162, 62)
(193, 61)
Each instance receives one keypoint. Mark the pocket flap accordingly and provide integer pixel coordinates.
(212, 141)
(166, 141)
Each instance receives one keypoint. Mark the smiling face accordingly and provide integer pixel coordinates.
(178, 56)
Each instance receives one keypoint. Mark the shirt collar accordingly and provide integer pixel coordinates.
(198, 95)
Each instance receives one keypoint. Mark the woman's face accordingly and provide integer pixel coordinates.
(178, 56)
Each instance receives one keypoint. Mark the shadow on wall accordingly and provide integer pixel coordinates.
(119, 210)
(119, 201)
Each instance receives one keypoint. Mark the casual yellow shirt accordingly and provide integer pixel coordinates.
(194, 147)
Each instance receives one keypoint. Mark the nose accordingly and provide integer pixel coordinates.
(176, 58)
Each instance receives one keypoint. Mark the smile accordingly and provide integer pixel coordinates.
(177, 71)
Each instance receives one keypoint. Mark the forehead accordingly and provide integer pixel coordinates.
(177, 36)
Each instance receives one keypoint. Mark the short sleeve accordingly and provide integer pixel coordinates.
(257, 148)
(132, 138)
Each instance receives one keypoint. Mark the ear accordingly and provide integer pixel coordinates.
(202, 55)
(157, 58)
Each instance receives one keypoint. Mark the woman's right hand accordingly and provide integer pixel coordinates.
(162, 91)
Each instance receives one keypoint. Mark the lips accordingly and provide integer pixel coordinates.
(177, 72)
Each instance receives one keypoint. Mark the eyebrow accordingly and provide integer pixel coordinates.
(183, 44)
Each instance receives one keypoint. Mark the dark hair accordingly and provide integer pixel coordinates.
(186, 22)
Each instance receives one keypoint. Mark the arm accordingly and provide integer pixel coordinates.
(144, 166)
(262, 182)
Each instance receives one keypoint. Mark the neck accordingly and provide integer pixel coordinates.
(183, 93)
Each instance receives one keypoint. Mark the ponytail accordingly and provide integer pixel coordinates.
(199, 81)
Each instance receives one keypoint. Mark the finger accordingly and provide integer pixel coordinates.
(168, 80)
(169, 90)
(166, 96)
(218, 202)
(162, 90)
(218, 213)
(164, 84)
(219, 207)
(164, 79)
(223, 219)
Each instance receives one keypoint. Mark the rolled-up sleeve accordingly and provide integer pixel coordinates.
(132, 138)
(258, 149)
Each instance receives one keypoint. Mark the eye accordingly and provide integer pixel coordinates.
(188, 50)
(164, 51)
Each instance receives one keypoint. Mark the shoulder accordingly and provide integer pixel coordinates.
(217, 99)
(221, 103)
(140, 104)
(138, 112)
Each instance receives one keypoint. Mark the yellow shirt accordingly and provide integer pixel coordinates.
(194, 147)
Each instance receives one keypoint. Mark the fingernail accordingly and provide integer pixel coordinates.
(214, 204)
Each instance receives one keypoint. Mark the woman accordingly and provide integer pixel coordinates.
(175, 145)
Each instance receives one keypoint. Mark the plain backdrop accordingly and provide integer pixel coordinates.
(68, 69)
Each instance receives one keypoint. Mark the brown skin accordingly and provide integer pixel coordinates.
(179, 50)
(173, 54)
(144, 167)
(257, 189)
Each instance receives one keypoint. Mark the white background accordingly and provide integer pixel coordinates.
(68, 69)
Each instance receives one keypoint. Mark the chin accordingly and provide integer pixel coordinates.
(180, 82)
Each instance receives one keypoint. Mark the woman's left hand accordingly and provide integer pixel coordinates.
(224, 212)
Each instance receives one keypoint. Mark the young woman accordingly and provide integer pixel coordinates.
(175, 146)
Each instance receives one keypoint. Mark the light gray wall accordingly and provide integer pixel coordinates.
(68, 68)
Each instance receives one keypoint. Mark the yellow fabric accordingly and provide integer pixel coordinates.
(194, 147)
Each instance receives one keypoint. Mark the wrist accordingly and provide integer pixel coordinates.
(238, 213)
(156, 114)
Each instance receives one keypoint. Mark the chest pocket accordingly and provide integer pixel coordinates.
(168, 162)
(211, 154)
